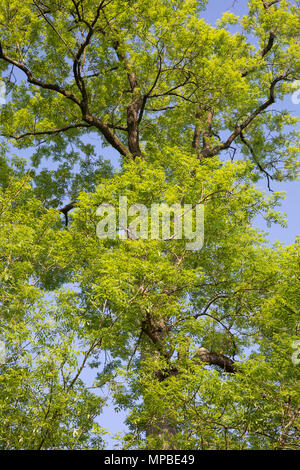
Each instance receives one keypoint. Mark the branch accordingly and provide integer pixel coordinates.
(48, 132)
(207, 132)
(284, 434)
(238, 129)
(196, 136)
(135, 108)
(216, 359)
(256, 160)
(269, 45)
(43, 14)
(35, 81)
(87, 117)
(264, 52)
(96, 343)
(146, 96)
(267, 5)
(64, 210)
(212, 301)
(170, 92)
(77, 60)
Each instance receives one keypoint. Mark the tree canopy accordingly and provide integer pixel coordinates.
(197, 346)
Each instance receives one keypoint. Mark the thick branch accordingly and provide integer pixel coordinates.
(197, 135)
(105, 129)
(49, 132)
(133, 116)
(134, 108)
(238, 129)
(269, 45)
(66, 209)
(216, 359)
(35, 81)
(77, 64)
(207, 132)
(267, 5)
(264, 52)
(87, 117)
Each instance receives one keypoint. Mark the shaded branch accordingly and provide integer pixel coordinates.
(171, 91)
(267, 5)
(264, 52)
(269, 45)
(66, 209)
(216, 359)
(48, 132)
(239, 128)
(135, 108)
(207, 132)
(197, 136)
(104, 128)
(35, 81)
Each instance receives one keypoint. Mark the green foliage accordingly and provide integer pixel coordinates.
(43, 401)
(189, 109)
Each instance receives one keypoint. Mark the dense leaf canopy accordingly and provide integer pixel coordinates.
(196, 346)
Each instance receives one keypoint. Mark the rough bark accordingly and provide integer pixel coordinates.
(216, 359)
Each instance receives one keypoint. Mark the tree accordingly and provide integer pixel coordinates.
(201, 339)
(43, 401)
